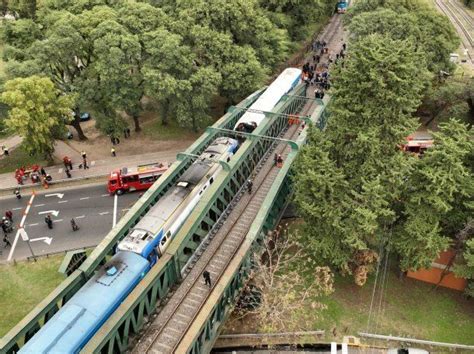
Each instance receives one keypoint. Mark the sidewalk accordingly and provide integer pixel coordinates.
(97, 167)
(11, 143)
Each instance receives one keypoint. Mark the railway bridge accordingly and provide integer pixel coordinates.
(171, 310)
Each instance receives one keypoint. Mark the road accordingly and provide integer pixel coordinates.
(91, 206)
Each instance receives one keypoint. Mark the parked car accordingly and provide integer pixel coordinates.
(85, 116)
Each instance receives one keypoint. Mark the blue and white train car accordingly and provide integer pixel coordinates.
(283, 84)
(77, 321)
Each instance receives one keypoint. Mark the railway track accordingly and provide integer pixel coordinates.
(171, 325)
(169, 328)
(462, 20)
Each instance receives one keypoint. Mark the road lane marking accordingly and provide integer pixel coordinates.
(39, 205)
(84, 198)
(17, 208)
(32, 224)
(22, 222)
(104, 213)
(59, 195)
(54, 212)
(44, 239)
(105, 195)
(62, 201)
(115, 210)
(80, 217)
(59, 220)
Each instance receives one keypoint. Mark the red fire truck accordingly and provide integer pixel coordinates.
(417, 146)
(135, 178)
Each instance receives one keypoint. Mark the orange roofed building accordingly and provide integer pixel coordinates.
(433, 274)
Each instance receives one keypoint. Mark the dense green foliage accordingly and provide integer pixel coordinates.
(355, 188)
(453, 97)
(37, 112)
(111, 54)
(469, 3)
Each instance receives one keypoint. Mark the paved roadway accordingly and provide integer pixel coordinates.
(91, 206)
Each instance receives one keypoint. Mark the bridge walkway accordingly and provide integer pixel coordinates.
(168, 331)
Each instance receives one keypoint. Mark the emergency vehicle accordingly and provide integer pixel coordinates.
(135, 178)
(417, 146)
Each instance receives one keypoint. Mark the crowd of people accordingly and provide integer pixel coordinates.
(316, 72)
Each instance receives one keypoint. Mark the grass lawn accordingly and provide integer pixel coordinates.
(410, 308)
(19, 157)
(24, 285)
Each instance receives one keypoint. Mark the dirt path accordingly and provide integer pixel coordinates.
(98, 146)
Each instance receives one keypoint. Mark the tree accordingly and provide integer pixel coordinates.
(431, 32)
(282, 286)
(343, 187)
(465, 263)
(298, 15)
(451, 98)
(37, 111)
(269, 42)
(23, 8)
(440, 183)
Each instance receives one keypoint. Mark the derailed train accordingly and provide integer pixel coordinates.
(80, 318)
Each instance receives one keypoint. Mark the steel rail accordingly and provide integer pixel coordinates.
(448, 11)
(218, 250)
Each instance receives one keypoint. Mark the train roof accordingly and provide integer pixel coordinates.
(79, 318)
(272, 95)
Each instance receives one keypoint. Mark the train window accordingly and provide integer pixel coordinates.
(228, 159)
(211, 180)
(163, 240)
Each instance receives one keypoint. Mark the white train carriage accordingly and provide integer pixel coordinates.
(153, 233)
(284, 83)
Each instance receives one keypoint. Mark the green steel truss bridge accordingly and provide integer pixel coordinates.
(171, 310)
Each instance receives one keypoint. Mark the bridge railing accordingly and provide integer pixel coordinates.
(218, 306)
(114, 336)
(29, 325)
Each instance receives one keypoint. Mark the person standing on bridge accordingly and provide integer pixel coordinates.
(207, 278)
(249, 186)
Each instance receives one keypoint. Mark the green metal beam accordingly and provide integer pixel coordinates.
(16, 337)
(293, 145)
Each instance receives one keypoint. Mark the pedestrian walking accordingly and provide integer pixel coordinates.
(207, 278)
(112, 151)
(343, 46)
(6, 241)
(43, 172)
(249, 186)
(128, 132)
(74, 225)
(68, 173)
(84, 155)
(17, 193)
(9, 215)
(6, 225)
(84, 163)
(48, 221)
(4, 228)
(5, 150)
